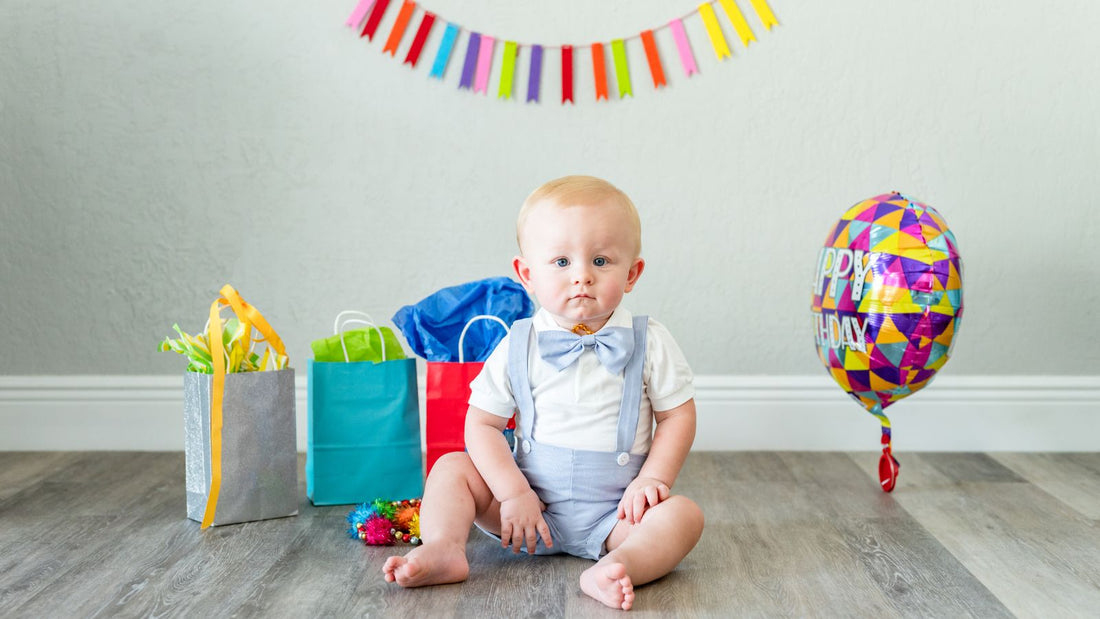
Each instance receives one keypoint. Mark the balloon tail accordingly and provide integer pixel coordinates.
(887, 465)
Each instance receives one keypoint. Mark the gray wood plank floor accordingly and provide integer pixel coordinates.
(787, 534)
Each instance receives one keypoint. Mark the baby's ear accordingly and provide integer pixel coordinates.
(523, 272)
(634, 273)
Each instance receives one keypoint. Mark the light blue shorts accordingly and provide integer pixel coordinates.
(581, 490)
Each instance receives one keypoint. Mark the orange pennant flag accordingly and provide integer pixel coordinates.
(399, 27)
(599, 71)
(654, 59)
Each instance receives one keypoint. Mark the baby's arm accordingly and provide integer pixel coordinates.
(671, 443)
(521, 510)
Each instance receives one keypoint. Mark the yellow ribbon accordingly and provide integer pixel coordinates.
(739, 22)
(765, 13)
(710, 20)
(249, 317)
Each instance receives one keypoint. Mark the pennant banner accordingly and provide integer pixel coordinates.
(446, 46)
(470, 65)
(360, 12)
(484, 59)
(566, 73)
(654, 59)
(535, 73)
(687, 58)
(418, 40)
(478, 62)
(599, 71)
(375, 18)
(622, 72)
(714, 31)
(765, 13)
(738, 21)
(507, 68)
(399, 27)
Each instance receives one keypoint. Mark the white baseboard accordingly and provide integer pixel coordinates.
(964, 413)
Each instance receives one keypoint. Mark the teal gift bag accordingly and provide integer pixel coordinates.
(364, 429)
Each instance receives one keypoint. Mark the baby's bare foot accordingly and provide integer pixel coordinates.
(430, 564)
(609, 584)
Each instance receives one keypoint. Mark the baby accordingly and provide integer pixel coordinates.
(589, 476)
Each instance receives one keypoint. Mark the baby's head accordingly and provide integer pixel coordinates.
(588, 191)
(580, 243)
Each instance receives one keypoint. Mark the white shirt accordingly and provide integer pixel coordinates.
(578, 407)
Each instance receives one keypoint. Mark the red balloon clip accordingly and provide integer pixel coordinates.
(887, 466)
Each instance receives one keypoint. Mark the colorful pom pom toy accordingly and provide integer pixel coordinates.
(384, 523)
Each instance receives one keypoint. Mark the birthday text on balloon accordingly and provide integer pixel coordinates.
(837, 263)
(831, 330)
(834, 331)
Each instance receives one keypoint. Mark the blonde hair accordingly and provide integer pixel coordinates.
(580, 190)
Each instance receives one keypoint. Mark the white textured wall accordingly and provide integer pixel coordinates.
(150, 153)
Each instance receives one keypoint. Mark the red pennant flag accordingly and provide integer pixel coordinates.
(654, 59)
(375, 17)
(421, 36)
(566, 74)
(599, 70)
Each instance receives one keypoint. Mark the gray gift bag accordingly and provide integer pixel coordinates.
(259, 460)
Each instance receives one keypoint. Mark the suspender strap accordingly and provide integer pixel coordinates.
(519, 344)
(632, 387)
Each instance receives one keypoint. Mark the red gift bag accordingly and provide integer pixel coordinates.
(447, 398)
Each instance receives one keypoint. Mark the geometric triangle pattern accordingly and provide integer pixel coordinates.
(887, 300)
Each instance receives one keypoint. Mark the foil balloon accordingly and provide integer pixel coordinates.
(887, 301)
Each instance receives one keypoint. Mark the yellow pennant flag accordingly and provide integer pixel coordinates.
(710, 20)
(765, 13)
(739, 23)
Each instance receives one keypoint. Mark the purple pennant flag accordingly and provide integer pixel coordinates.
(472, 48)
(535, 74)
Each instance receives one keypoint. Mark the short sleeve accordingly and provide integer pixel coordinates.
(491, 390)
(669, 381)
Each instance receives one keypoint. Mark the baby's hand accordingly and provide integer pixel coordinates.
(642, 494)
(521, 521)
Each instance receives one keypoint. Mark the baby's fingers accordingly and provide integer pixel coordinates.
(544, 531)
(532, 539)
(656, 494)
(639, 507)
(520, 535)
(663, 492)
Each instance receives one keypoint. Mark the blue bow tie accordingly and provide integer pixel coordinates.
(613, 346)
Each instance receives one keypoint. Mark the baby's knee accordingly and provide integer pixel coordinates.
(687, 511)
(452, 463)
(456, 469)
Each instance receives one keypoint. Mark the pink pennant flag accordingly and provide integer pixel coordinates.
(484, 61)
(360, 12)
(686, 57)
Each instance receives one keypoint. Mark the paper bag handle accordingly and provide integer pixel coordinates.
(462, 336)
(381, 338)
(338, 324)
(249, 317)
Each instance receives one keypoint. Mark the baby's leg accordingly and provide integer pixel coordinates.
(644, 552)
(454, 495)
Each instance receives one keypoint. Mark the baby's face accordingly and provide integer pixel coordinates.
(578, 261)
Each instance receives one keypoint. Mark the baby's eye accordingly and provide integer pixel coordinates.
(601, 261)
(562, 262)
